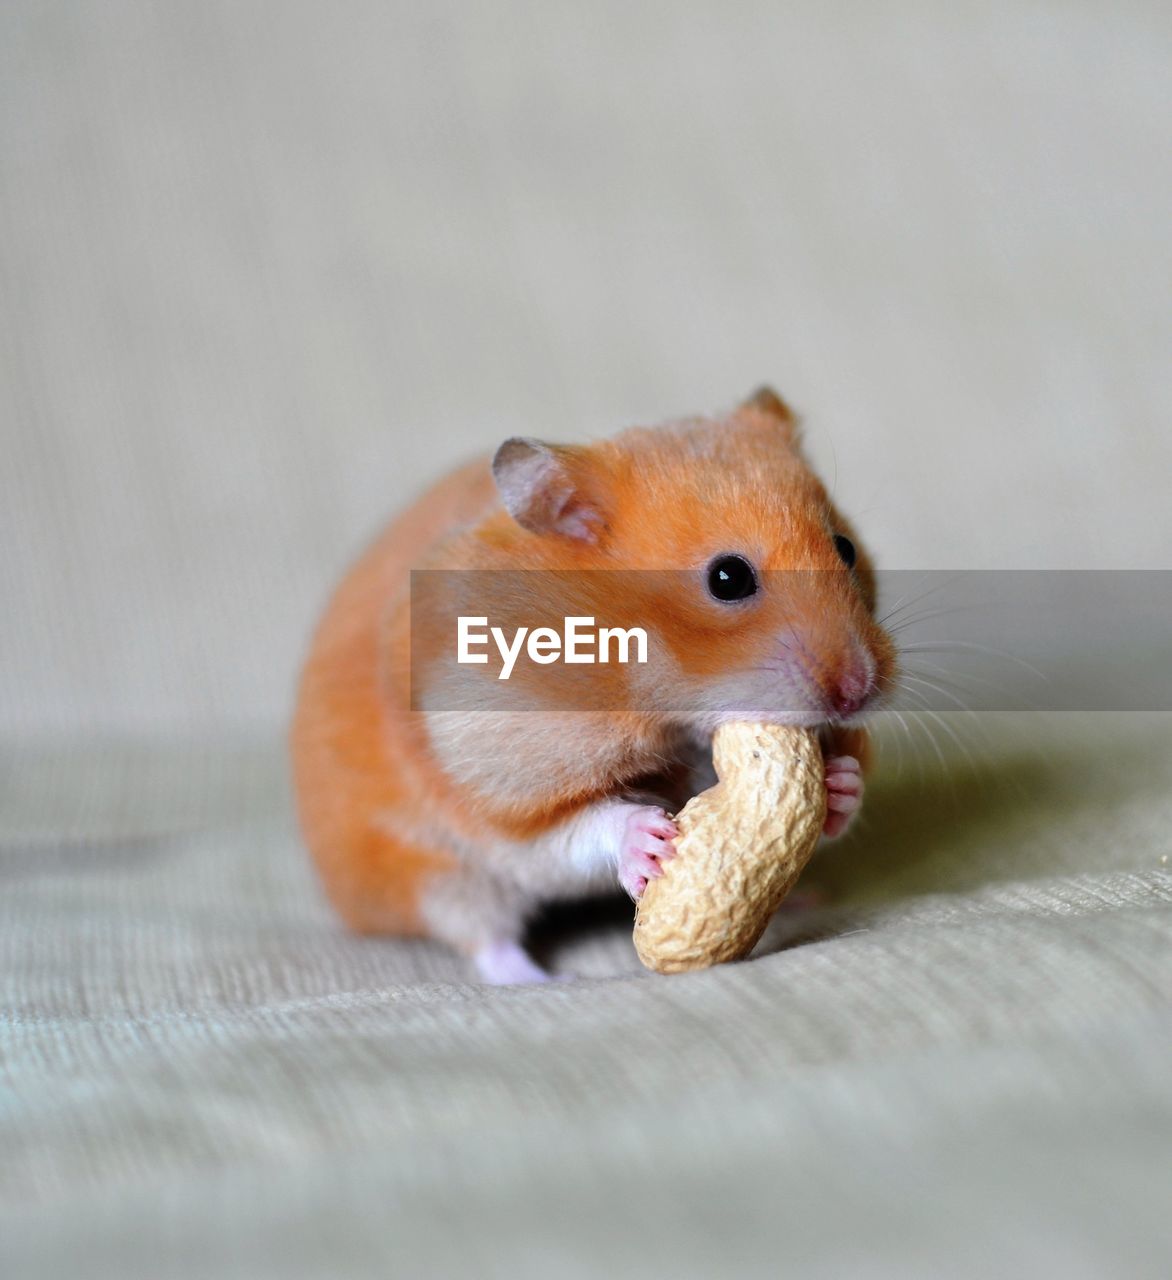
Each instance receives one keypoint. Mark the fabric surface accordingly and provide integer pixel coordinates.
(265, 269)
(956, 1065)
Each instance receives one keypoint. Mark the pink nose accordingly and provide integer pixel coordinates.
(854, 689)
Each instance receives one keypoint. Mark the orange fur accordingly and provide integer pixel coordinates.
(386, 814)
(348, 758)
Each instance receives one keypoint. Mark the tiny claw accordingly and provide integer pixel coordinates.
(663, 828)
(835, 824)
(646, 845)
(844, 794)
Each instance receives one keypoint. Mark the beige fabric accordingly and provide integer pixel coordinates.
(957, 1066)
(263, 269)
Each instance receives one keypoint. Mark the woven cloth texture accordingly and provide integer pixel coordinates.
(265, 269)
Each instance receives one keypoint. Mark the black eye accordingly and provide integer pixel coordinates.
(731, 578)
(846, 550)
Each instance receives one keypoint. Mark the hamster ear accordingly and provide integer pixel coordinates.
(546, 489)
(766, 401)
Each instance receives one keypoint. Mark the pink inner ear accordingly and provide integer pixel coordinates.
(539, 489)
(576, 518)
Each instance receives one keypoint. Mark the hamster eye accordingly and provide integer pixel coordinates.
(731, 578)
(846, 550)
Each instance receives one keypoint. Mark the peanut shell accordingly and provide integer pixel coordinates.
(742, 844)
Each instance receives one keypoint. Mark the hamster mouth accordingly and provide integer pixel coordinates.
(786, 693)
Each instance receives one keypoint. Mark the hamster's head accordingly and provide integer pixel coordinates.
(715, 536)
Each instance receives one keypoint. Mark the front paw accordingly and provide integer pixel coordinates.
(844, 793)
(646, 845)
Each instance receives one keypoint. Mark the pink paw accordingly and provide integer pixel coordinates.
(647, 842)
(507, 964)
(844, 793)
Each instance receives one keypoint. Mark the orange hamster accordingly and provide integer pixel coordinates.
(431, 817)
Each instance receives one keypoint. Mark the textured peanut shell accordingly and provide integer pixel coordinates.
(742, 844)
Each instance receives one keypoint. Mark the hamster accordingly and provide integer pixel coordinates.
(457, 824)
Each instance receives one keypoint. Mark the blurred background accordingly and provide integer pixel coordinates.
(267, 268)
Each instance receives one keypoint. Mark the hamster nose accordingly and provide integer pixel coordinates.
(854, 689)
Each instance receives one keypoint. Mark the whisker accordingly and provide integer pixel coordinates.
(907, 733)
(969, 713)
(899, 758)
(901, 723)
(911, 741)
(962, 746)
(954, 679)
(917, 619)
(900, 602)
(917, 599)
(945, 646)
(939, 756)
(929, 684)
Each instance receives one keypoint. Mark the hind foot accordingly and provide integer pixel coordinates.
(506, 964)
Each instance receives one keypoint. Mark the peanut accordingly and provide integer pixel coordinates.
(742, 844)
